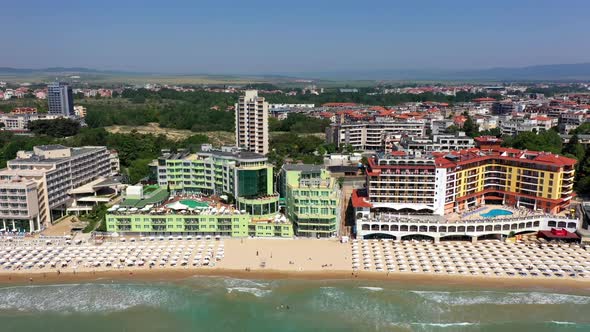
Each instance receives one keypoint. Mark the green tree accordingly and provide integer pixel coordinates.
(55, 127)
(470, 128)
(574, 148)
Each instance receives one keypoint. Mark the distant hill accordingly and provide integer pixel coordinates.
(580, 71)
(53, 70)
(552, 72)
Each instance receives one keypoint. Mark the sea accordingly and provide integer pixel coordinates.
(227, 304)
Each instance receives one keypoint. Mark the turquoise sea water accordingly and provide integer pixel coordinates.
(496, 212)
(226, 304)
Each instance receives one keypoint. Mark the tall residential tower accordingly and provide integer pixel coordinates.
(60, 99)
(252, 122)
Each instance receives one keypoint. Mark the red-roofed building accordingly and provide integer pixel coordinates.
(468, 178)
(360, 201)
(487, 142)
(24, 110)
(459, 120)
(461, 181)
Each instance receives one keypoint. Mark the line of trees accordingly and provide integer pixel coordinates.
(136, 151)
(375, 98)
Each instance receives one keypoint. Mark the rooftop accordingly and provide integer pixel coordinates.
(228, 153)
(303, 167)
(40, 159)
(51, 147)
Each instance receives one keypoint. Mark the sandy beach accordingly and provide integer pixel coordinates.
(280, 259)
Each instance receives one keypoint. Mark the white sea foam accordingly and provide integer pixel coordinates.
(500, 298)
(254, 291)
(234, 282)
(446, 324)
(562, 323)
(81, 298)
(373, 289)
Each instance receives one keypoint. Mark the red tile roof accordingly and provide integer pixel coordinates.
(359, 201)
(541, 118)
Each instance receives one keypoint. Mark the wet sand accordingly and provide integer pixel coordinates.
(418, 279)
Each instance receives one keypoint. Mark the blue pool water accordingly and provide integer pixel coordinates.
(496, 212)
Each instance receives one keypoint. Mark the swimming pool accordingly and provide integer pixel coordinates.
(194, 204)
(496, 212)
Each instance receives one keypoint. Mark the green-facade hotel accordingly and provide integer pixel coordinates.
(229, 173)
(312, 200)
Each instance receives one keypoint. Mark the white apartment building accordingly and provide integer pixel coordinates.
(515, 126)
(80, 111)
(290, 106)
(252, 122)
(443, 143)
(20, 122)
(38, 183)
(368, 136)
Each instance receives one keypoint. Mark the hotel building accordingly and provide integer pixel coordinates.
(60, 99)
(37, 183)
(246, 176)
(369, 136)
(252, 122)
(154, 213)
(312, 200)
(458, 141)
(439, 184)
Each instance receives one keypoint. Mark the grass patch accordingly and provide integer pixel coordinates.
(95, 219)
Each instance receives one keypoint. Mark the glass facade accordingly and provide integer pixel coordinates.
(252, 183)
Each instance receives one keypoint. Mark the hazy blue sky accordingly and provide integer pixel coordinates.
(253, 36)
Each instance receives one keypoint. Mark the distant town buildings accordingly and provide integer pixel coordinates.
(453, 142)
(80, 111)
(251, 113)
(369, 135)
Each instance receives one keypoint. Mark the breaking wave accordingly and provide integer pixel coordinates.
(500, 298)
(71, 298)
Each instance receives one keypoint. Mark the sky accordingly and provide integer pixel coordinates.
(275, 37)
